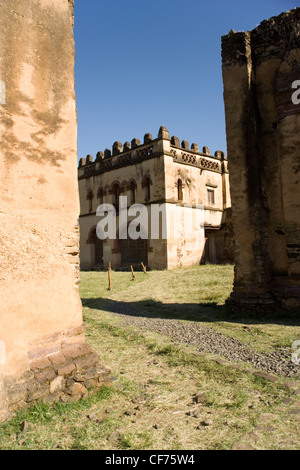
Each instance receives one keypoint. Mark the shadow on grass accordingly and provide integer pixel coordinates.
(204, 312)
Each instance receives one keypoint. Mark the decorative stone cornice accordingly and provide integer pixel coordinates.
(128, 154)
(200, 160)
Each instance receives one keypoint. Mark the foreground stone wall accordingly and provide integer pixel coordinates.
(42, 348)
(263, 136)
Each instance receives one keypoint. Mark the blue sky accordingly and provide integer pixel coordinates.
(141, 64)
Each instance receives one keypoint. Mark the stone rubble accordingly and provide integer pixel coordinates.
(207, 340)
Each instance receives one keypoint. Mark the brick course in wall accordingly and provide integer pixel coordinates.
(63, 368)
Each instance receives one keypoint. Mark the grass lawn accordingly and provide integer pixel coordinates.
(167, 395)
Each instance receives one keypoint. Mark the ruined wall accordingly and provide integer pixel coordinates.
(41, 333)
(263, 137)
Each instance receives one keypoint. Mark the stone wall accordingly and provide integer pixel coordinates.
(263, 137)
(61, 368)
(39, 206)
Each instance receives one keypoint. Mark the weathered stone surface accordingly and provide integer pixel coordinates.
(42, 352)
(45, 376)
(135, 143)
(175, 141)
(148, 138)
(126, 147)
(57, 359)
(77, 390)
(163, 133)
(38, 394)
(17, 393)
(86, 374)
(195, 147)
(57, 384)
(99, 156)
(87, 361)
(66, 369)
(40, 364)
(79, 330)
(82, 162)
(78, 351)
(117, 148)
(73, 341)
(263, 137)
(39, 262)
(107, 153)
(53, 378)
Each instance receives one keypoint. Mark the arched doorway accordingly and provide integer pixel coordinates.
(97, 251)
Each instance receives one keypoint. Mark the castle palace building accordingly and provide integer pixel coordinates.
(159, 203)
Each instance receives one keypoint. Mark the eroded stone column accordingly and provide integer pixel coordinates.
(44, 354)
(263, 137)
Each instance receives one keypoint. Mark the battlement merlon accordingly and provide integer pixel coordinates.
(127, 154)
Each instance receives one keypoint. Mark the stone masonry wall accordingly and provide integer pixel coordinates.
(62, 368)
(263, 137)
(39, 205)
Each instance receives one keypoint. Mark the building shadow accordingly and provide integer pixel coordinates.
(201, 312)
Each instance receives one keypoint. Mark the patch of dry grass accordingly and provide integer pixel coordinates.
(151, 404)
(193, 294)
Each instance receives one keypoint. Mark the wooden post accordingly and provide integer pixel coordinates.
(133, 276)
(109, 276)
(144, 268)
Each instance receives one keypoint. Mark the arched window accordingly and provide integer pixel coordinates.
(132, 192)
(146, 185)
(100, 195)
(116, 196)
(90, 197)
(97, 257)
(179, 190)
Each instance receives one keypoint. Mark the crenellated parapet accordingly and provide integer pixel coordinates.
(120, 155)
(182, 153)
(135, 151)
(212, 163)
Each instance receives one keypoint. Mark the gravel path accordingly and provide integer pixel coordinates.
(209, 341)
